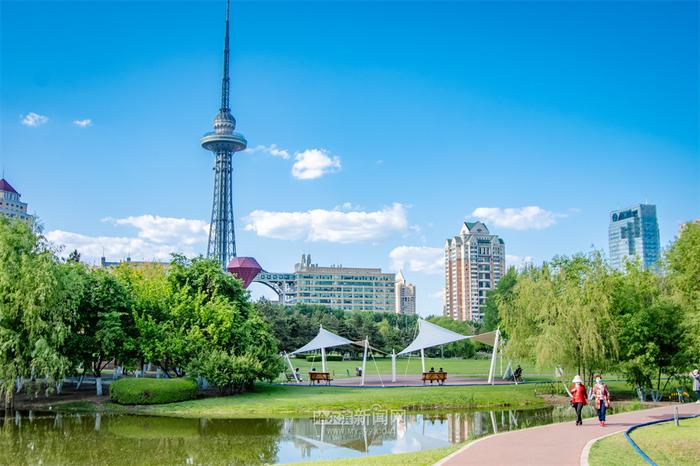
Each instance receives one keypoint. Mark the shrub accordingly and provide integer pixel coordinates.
(145, 391)
(228, 373)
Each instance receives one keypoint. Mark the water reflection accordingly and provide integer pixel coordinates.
(34, 438)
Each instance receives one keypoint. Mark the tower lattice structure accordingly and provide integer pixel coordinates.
(224, 141)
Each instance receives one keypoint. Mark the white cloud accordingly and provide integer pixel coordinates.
(334, 226)
(314, 163)
(164, 230)
(348, 206)
(83, 123)
(418, 259)
(155, 239)
(518, 218)
(34, 119)
(272, 149)
(519, 262)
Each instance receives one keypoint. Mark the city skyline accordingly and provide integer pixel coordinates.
(368, 172)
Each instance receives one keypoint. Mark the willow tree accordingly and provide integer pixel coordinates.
(683, 262)
(37, 306)
(559, 315)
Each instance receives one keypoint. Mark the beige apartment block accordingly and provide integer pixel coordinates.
(475, 260)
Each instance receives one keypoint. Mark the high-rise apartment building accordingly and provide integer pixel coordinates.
(405, 296)
(475, 261)
(10, 204)
(338, 287)
(634, 232)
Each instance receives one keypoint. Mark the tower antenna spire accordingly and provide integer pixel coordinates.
(225, 83)
(224, 141)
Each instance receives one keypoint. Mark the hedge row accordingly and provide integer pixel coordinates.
(146, 391)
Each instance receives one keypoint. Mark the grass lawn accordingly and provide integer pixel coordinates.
(475, 367)
(290, 401)
(665, 444)
(420, 458)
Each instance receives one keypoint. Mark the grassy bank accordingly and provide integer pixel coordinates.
(291, 401)
(664, 443)
(419, 458)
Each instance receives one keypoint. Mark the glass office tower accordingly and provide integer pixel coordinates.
(634, 232)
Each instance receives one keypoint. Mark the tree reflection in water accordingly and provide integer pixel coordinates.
(41, 438)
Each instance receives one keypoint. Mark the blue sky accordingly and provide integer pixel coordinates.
(392, 122)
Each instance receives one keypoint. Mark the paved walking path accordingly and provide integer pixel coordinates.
(554, 444)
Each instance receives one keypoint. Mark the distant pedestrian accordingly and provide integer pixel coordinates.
(601, 395)
(578, 397)
(695, 375)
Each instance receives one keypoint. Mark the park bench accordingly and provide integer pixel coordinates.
(293, 377)
(438, 377)
(319, 377)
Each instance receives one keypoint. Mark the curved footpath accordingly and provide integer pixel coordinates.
(555, 444)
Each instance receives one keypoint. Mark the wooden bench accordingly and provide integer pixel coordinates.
(319, 377)
(438, 377)
(293, 377)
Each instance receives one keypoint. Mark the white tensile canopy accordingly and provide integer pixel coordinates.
(326, 339)
(430, 335)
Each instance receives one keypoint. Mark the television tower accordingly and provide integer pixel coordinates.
(223, 142)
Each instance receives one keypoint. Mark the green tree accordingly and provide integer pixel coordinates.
(560, 315)
(192, 308)
(683, 262)
(497, 297)
(38, 302)
(74, 256)
(101, 334)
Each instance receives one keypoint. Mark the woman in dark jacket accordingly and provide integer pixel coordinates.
(578, 397)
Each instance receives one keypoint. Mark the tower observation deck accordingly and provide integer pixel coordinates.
(224, 141)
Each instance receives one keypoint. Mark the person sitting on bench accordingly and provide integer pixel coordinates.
(297, 374)
(518, 375)
(432, 369)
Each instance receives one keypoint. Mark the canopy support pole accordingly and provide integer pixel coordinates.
(501, 363)
(379, 374)
(323, 353)
(291, 367)
(364, 360)
(393, 366)
(422, 359)
(492, 369)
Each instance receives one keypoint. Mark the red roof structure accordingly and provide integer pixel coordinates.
(245, 269)
(5, 186)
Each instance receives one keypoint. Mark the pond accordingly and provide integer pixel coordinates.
(48, 438)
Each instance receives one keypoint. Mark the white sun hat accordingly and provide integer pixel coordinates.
(577, 379)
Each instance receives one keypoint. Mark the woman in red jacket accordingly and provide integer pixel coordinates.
(578, 397)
